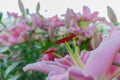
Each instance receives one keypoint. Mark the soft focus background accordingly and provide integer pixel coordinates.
(30, 32)
(53, 7)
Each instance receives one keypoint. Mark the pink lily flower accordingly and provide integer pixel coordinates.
(84, 24)
(63, 68)
(52, 24)
(97, 63)
(14, 15)
(71, 15)
(3, 56)
(19, 30)
(14, 34)
(87, 15)
(3, 39)
(36, 20)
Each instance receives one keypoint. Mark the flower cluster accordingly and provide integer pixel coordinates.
(75, 46)
(101, 62)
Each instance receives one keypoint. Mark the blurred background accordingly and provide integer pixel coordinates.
(53, 7)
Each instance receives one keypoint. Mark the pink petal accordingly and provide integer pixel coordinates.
(51, 34)
(3, 55)
(76, 74)
(36, 20)
(44, 66)
(84, 56)
(90, 30)
(101, 59)
(53, 76)
(93, 15)
(86, 11)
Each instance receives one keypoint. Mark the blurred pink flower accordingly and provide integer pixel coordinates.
(71, 15)
(37, 21)
(52, 24)
(15, 15)
(3, 39)
(87, 15)
(15, 34)
(55, 22)
(19, 30)
(49, 55)
(85, 24)
(3, 56)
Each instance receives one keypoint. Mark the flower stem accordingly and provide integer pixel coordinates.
(74, 57)
(2, 75)
(76, 48)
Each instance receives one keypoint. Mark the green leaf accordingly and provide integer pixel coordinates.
(21, 6)
(15, 77)
(1, 14)
(10, 68)
(38, 8)
(112, 16)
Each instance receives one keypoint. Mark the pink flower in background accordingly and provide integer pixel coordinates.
(3, 56)
(52, 24)
(49, 55)
(85, 24)
(37, 21)
(19, 30)
(71, 15)
(17, 33)
(14, 34)
(14, 15)
(55, 22)
(3, 39)
(87, 15)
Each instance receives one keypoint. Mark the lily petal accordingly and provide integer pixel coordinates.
(44, 66)
(101, 59)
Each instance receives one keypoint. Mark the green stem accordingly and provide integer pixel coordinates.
(3, 24)
(76, 48)
(2, 75)
(76, 60)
